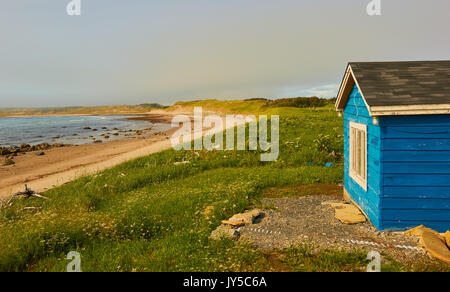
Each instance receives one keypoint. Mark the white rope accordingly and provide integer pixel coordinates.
(352, 241)
(370, 243)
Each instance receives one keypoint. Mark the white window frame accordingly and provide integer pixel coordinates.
(358, 175)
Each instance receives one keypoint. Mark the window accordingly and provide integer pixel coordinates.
(358, 154)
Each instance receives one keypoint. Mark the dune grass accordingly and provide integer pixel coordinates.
(149, 214)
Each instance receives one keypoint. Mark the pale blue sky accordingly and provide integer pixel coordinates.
(136, 51)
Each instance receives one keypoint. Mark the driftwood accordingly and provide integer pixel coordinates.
(27, 194)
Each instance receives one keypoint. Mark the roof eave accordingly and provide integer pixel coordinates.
(409, 110)
(348, 81)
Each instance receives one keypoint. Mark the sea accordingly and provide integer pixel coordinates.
(16, 131)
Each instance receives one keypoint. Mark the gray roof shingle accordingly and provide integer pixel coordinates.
(403, 83)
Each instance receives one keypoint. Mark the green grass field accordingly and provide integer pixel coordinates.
(148, 214)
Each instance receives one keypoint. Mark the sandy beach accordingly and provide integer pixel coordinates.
(61, 165)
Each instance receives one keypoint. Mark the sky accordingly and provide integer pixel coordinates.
(145, 51)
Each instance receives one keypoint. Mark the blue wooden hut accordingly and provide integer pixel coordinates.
(397, 142)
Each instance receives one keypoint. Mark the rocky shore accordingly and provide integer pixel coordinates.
(95, 136)
(10, 152)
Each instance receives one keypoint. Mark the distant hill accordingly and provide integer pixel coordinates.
(98, 110)
(252, 105)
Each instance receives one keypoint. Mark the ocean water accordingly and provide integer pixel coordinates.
(68, 129)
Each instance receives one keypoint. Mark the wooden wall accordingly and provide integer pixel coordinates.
(369, 201)
(415, 167)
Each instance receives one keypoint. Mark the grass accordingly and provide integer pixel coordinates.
(149, 214)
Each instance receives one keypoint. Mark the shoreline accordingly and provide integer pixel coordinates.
(152, 118)
(62, 165)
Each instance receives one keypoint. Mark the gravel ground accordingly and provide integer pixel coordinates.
(293, 221)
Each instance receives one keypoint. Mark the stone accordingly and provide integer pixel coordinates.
(242, 219)
(40, 154)
(447, 238)
(5, 151)
(435, 246)
(347, 213)
(8, 162)
(418, 231)
(224, 232)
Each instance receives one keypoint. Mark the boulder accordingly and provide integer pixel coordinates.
(223, 231)
(447, 238)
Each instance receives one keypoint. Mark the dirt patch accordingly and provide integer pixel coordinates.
(305, 220)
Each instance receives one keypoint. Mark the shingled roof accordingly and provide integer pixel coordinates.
(417, 87)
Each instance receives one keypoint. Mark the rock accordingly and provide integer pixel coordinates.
(419, 230)
(435, 246)
(106, 137)
(43, 146)
(8, 162)
(347, 213)
(223, 231)
(5, 151)
(447, 238)
(40, 154)
(86, 128)
(116, 134)
(243, 218)
(98, 141)
(25, 147)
